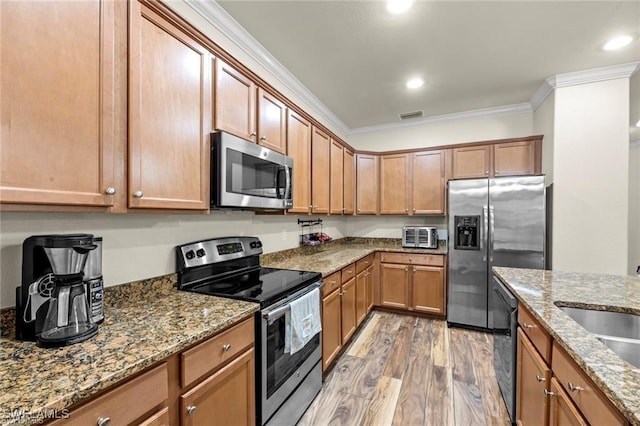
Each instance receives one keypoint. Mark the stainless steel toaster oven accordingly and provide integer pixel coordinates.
(420, 237)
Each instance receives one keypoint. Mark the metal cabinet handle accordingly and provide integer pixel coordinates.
(226, 347)
(525, 325)
(263, 138)
(138, 194)
(253, 134)
(406, 268)
(358, 210)
(104, 421)
(366, 262)
(406, 210)
(110, 190)
(574, 388)
(332, 282)
(191, 410)
(414, 210)
(547, 393)
(414, 269)
(540, 379)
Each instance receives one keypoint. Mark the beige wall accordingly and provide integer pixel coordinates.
(591, 179)
(543, 121)
(389, 226)
(447, 133)
(142, 246)
(634, 207)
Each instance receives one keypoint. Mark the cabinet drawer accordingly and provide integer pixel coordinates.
(348, 272)
(413, 259)
(125, 403)
(595, 407)
(364, 263)
(161, 418)
(536, 333)
(331, 283)
(207, 356)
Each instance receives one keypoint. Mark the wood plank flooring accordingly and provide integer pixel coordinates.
(406, 370)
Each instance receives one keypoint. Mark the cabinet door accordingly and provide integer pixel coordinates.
(161, 418)
(348, 301)
(299, 148)
(562, 412)
(169, 115)
(320, 163)
(361, 297)
(394, 284)
(331, 328)
(428, 184)
(235, 102)
(57, 103)
(366, 184)
(471, 162)
(394, 184)
(272, 114)
(428, 289)
(349, 181)
(533, 377)
(369, 292)
(211, 398)
(512, 159)
(337, 170)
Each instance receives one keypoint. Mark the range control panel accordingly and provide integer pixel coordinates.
(217, 250)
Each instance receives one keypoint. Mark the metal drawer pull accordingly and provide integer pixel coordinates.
(104, 421)
(540, 379)
(547, 393)
(574, 388)
(525, 325)
(191, 410)
(263, 138)
(110, 190)
(226, 347)
(253, 134)
(138, 194)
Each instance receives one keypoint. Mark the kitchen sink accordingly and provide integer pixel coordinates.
(619, 331)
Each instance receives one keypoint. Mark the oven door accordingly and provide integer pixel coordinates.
(247, 175)
(281, 373)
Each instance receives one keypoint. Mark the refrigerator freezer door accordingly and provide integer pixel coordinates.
(467, 295)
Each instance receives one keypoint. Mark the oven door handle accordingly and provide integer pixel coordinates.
(273, 314)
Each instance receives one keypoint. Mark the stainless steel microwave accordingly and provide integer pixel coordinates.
(248, 176)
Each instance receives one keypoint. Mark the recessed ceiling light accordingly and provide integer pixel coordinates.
(415, 83)
(399, 6)
(618, 42)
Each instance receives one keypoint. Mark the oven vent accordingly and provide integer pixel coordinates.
(410, 115)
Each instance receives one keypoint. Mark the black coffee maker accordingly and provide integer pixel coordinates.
(51, 304)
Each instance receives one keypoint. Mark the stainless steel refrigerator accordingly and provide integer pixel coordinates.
(492, 222)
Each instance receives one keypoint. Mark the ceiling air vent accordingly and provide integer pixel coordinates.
(410, 115)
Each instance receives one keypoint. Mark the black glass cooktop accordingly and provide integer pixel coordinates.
(263, 285)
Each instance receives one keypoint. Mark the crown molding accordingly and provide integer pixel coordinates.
(499, 111)
(222, 21)
(593, 75)
(541, 95)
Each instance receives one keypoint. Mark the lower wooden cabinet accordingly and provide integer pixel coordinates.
(227, 397)
(562, 411)
(161, 418)
(361, 297)
(348, 311)
(394, 282)
(370, 288)
(533, 377)
(331, 328)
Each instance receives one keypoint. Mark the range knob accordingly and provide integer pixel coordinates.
(200, 252)
(190, 254)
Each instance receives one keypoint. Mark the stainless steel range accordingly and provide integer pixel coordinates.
(286, 383)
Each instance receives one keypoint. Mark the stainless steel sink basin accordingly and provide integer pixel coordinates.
(619, 331)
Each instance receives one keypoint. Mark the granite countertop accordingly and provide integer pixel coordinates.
(334, 256)
(540, 290)
(146, 322)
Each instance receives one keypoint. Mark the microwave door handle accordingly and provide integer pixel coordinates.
(287, 177)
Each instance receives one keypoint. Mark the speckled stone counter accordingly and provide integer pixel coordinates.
(542, 291)
(146, 322)
(332, 257)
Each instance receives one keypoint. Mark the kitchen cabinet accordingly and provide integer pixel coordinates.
(471, 161)
(331, 320)
(533, 378)
(413, 282)
(320, 171)
(428, 182)
(58, 101)
(349, 180)
(272, 119)
(364, 288)
(367, 184)
(168, 158)
(369, 275)
(348, 309)
(513, 159)
(562, 412)
(299, 148)
(336, 178)
(394, 184)
(234, 102)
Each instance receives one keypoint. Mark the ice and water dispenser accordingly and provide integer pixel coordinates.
(467, 233)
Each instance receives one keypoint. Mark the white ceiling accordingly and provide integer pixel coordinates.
(355, 56)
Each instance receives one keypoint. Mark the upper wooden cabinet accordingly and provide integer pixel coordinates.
(320, 164)
(299, 148)
(169, 114)
(337, 178)
(57, 103)
(234, 102)
(272, 114)
(518, 157)
(428, 182)
(394, 184)
(349, 180)
(366, 184)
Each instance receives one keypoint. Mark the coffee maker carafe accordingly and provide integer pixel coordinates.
(51, 304)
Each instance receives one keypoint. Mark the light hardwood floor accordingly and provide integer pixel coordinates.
(406, 370)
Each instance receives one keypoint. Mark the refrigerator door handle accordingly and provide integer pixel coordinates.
(492, 231)
(484, 235)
